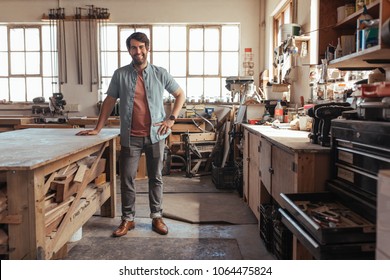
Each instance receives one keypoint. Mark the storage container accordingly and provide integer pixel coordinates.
(224, 177)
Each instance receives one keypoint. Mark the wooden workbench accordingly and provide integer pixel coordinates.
(9, 123)
(30, 159)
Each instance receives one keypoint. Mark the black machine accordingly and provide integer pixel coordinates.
(322, 115)
(340, 223)
(54, 112)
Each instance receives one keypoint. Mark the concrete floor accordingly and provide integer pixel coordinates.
(247, 237)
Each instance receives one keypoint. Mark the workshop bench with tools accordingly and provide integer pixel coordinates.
(51, 183)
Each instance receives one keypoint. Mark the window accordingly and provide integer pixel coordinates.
(198, 57)
(284, 16)
(27, 68)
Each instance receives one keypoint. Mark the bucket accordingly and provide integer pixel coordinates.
(77, 235)
(289, 30)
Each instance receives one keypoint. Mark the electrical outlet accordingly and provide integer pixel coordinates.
(72, 108)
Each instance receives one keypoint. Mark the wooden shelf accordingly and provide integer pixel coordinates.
(373, 57)
(350, 21)
(370, 58)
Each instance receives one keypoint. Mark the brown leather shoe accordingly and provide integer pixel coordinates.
(124, 227)
(159, 226)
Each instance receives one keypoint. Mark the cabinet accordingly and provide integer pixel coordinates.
(286, 170)
(383, 212)
(330, 30)
(277, 169)
(282, 161)
(251, 168)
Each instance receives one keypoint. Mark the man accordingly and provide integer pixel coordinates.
(144, 127)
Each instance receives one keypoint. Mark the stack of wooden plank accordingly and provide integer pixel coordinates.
(63, 186)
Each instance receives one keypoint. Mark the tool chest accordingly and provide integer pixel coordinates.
(341, 222)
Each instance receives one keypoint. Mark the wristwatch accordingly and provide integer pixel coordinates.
(172, 118)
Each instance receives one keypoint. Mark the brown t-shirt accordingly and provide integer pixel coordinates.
(140, 125)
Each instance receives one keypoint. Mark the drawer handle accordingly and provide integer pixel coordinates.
(271, 170)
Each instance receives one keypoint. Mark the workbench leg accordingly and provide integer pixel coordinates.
(109, 207)
(24, 241)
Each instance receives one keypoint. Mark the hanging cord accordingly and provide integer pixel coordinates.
(203, 118)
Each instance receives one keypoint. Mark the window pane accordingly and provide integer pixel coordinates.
(195, 66)
(46, 38)
(47, 66)
(182, 83)
(110, 62)
(125, 59)
(17, 39)
(212, 88)
(161, 38)
(178, 64)
(195, 89)
(105, 84)
(211, 62)
(33, 63)
(17, 89)
(161, 59)
(211, 40)
(230, 38)
(49, 87)
(109, 38)
(34, 88)
(229, 65)
(226, 94)
(4, 89)
(3, 64)
(32, 39)
(178, 38)
(196, 39)
(143, 30)
(4, 38)
(287, 15)
(124, 34)
(17, 63)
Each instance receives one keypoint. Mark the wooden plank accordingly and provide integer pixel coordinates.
(205, 136)
(20, 185)
(10, 219)
(108, 206)
(80, 173)
(101, 179)
(187, 127)
(59, 206)
(63, 173)
(3, 237)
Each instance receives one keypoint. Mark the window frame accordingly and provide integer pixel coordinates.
(26, 76)
(187, 76)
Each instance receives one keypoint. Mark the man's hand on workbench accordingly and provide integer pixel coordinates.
(88, 132)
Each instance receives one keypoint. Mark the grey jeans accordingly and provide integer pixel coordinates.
(129, 158)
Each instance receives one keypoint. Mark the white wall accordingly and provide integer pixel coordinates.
(245, 12)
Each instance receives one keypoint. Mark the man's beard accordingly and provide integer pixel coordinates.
(139, 60)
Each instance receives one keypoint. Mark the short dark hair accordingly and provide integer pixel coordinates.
(140, 37)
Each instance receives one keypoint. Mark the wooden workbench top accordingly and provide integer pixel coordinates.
(31, 148)
(294, 140)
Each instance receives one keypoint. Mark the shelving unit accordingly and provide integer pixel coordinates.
(369, 58)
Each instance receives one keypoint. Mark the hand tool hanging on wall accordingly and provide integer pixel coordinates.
(92, 45)
(53, 47)
(61, 46)
(58, 42)
(79, 52)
